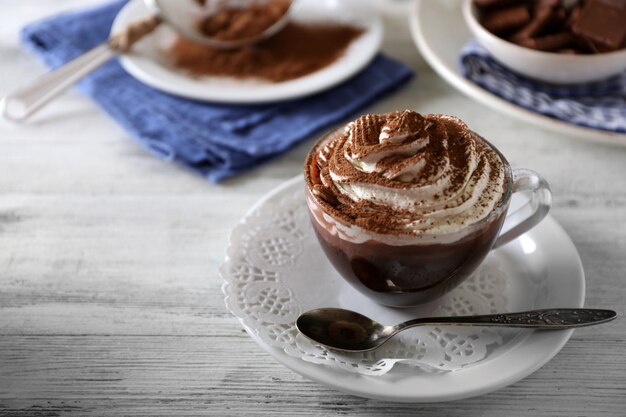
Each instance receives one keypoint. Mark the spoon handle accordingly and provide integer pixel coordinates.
(547, 319)
(23, 102)
(19, 104)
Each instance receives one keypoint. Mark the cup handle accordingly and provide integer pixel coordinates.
(532, 212)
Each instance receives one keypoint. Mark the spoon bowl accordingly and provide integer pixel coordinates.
(184, 15)
(350, 331)
(341, 329)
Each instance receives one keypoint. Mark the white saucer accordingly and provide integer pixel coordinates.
(543, 270)
(148, 62)
(440, 32)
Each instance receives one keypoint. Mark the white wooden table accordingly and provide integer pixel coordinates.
(110, 300)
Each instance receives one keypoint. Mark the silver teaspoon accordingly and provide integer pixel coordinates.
(350, 331)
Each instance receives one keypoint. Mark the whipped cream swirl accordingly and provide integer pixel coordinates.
(404, 173)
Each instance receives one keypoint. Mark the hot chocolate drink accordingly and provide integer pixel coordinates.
(405, 205)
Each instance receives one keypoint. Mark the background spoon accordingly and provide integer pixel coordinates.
(353, 332)
(181, 15)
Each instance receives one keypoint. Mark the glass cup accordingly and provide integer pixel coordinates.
(405, 271)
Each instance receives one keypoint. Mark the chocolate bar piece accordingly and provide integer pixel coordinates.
(594, 26)
(574, 15)
(506, 20)
(568, 51)
(603, 22)
(497, 3)
(547, 3)
(549, 43)
(546, 15)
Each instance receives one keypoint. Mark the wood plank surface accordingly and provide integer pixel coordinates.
(110, 300)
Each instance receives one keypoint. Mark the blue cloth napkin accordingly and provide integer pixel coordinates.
(599, 105)
(215, 140)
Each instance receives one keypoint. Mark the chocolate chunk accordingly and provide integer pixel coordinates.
(506, 20)
(574, 15)
(603, 22)
(549, 43)
(547, 3)
(544, 17)
(497, 3)
(569, 51)
(620, 4)
(584, 45)
(596, 25)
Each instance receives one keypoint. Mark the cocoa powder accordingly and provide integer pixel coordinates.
(233, 23)
(297, 50)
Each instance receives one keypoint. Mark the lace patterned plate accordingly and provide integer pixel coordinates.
(276, 270)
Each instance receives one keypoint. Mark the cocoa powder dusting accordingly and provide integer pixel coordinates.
(325, 194)
(297, 50)
(408, 154)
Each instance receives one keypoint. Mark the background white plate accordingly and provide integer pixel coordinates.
(440, 32)
(545, 256)
(148, 63)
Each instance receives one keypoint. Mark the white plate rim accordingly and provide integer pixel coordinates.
(371, 386)
(136, 66)
(454, 77)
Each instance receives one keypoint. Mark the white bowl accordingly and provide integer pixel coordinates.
(545, 66)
